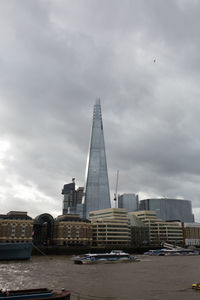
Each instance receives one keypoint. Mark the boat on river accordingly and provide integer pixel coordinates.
(173, 252)
(112, 257)
(39, 294)
(196, 286)
(9, 251)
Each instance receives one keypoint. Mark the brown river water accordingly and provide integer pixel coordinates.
(159, 277)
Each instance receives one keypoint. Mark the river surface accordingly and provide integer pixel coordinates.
(164, 278)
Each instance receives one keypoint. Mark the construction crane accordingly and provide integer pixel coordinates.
(116, 188)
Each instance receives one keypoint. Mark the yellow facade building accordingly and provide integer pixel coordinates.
(159, 231)
(111, 227)
(16, 227)
(71, 230)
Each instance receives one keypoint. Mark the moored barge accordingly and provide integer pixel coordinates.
(10, 251)
(39, 294)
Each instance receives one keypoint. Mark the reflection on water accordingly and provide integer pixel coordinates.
(152, 278)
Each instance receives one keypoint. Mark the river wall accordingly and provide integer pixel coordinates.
(74, 250)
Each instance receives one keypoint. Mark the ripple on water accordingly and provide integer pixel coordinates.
(155, 278)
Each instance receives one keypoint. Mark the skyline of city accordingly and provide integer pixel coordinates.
(139, 193)
(96, 193)
(97, 115)
(144, 67)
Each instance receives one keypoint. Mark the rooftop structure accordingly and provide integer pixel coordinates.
(20, 215)
(97, 193)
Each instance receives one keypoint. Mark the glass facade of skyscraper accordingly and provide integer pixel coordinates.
(97, 193)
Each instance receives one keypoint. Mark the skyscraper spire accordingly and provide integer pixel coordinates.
(97, 193)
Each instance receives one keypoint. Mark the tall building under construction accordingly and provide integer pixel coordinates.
(97, 193)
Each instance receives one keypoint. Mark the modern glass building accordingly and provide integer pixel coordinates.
(128, 201)
(159, 231)
(72, 199)
(97, 193)
(69, 198)
(169, 209)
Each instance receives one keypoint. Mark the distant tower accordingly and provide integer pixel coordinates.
(72, 199)
(97, 193)
(69, 198)
(128, 201)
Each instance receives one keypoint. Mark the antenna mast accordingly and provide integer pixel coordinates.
(116, 188)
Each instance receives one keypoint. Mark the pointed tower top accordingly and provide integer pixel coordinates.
(97, 111)
(98, 101)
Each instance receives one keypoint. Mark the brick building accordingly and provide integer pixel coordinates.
(71, 230)
(15, 227)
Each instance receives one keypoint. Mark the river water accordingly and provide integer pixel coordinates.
(164, 278)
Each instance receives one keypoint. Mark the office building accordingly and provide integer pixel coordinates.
(140, 236)
(97, 193)
(169, 209)
(69, 198)
(111, 227)
(159, 231)
(72, 199)
(79, 195)
(128, 201)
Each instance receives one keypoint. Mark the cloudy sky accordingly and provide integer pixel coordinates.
(140, 56)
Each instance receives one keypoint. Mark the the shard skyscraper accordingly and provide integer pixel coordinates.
(97, 193)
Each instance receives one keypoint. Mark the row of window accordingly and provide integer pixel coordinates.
(114, 239)
(109, 229)
(113, 226)
(116, 234)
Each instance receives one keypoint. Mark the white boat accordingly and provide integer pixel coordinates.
(112, 257)
(167, 252)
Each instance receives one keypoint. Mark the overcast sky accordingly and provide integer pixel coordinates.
(141, 57)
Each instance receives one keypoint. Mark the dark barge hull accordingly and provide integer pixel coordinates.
(39, 294)
(10, 251)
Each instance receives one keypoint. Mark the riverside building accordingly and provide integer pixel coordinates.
(159, 231)
(140, 236)
(97, 193)
(191, 232)
(111, 227)
(71, 230)
(15, 227)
